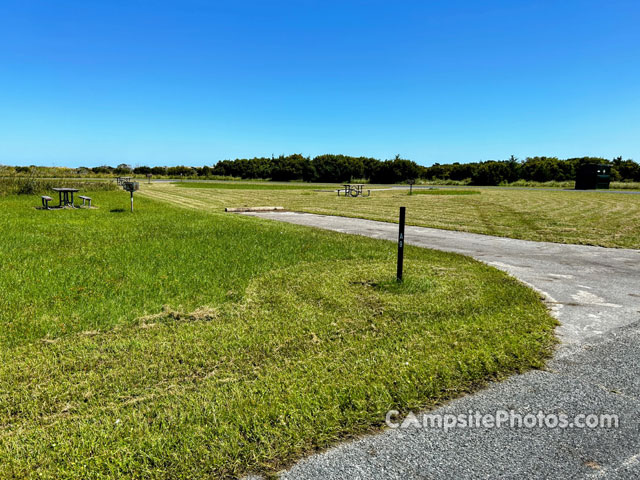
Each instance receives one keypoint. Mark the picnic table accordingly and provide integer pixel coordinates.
(354, 190)
(65, 196)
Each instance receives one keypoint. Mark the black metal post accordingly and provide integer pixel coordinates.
(401, 244)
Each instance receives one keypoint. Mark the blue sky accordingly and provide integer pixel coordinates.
(194, 81)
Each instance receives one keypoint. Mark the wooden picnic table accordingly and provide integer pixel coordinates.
(65, 196)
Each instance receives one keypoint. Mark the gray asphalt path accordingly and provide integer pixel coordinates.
(595, 293)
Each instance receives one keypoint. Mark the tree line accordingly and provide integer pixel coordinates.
(532, 169)
(323, 168)
(342, 168)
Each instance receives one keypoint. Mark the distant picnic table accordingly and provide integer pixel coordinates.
(354, 190)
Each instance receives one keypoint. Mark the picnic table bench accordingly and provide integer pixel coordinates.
(45, 202)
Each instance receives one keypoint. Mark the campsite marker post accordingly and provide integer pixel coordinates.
(401, 244)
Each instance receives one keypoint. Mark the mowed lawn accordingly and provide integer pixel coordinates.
(187, 343)
(589, 218)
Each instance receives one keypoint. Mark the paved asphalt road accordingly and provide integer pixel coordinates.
(595, 293)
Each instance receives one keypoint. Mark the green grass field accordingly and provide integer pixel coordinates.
(440, 191)
(249, 185)
(187, 343)
(590, 218)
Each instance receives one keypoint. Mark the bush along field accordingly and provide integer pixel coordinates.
(182, 343)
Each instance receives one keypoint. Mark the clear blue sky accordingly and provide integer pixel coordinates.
(194, 81)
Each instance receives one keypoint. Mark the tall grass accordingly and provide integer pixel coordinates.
(625, 185)
(439, 181)
(569, 184)
(63, 172)
(530, 183)
(31, 185)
